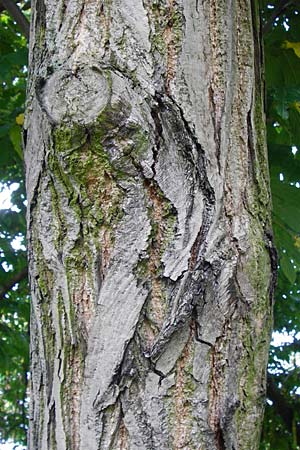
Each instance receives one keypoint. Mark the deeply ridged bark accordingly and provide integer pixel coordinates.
(150, 251)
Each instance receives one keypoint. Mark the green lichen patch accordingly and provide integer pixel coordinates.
(167, 27)
(139, 143)
(88, 166)
(69, 138)
(84, 163)
(164, 17)
(261, 161)
(141, 270)
(251, 391)
(255, 330)
(256, 267)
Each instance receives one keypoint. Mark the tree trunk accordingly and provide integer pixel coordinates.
(150, 249)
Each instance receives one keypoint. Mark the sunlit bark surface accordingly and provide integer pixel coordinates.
(148, 225)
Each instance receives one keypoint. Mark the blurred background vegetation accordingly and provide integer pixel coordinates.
(14, 295)
(281, 36)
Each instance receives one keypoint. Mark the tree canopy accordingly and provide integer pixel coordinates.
(281, 36)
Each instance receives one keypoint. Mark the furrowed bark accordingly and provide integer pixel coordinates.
(150, 250)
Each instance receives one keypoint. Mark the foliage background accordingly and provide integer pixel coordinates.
(281, 29)
(14, 299)
(281, 34)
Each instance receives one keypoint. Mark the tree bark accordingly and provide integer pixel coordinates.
(150, 247)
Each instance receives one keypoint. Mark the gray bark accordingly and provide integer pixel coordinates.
(150, 250)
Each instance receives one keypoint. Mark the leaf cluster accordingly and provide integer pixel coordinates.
(282, 61)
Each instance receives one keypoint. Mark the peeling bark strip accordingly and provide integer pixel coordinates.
(150, 247)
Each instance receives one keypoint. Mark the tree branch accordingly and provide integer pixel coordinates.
(16, 278)
(282, 5)
(15, 12)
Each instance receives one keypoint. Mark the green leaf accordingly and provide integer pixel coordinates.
(16, 139)
(295, 46)
(294, 123)
(288, 268)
